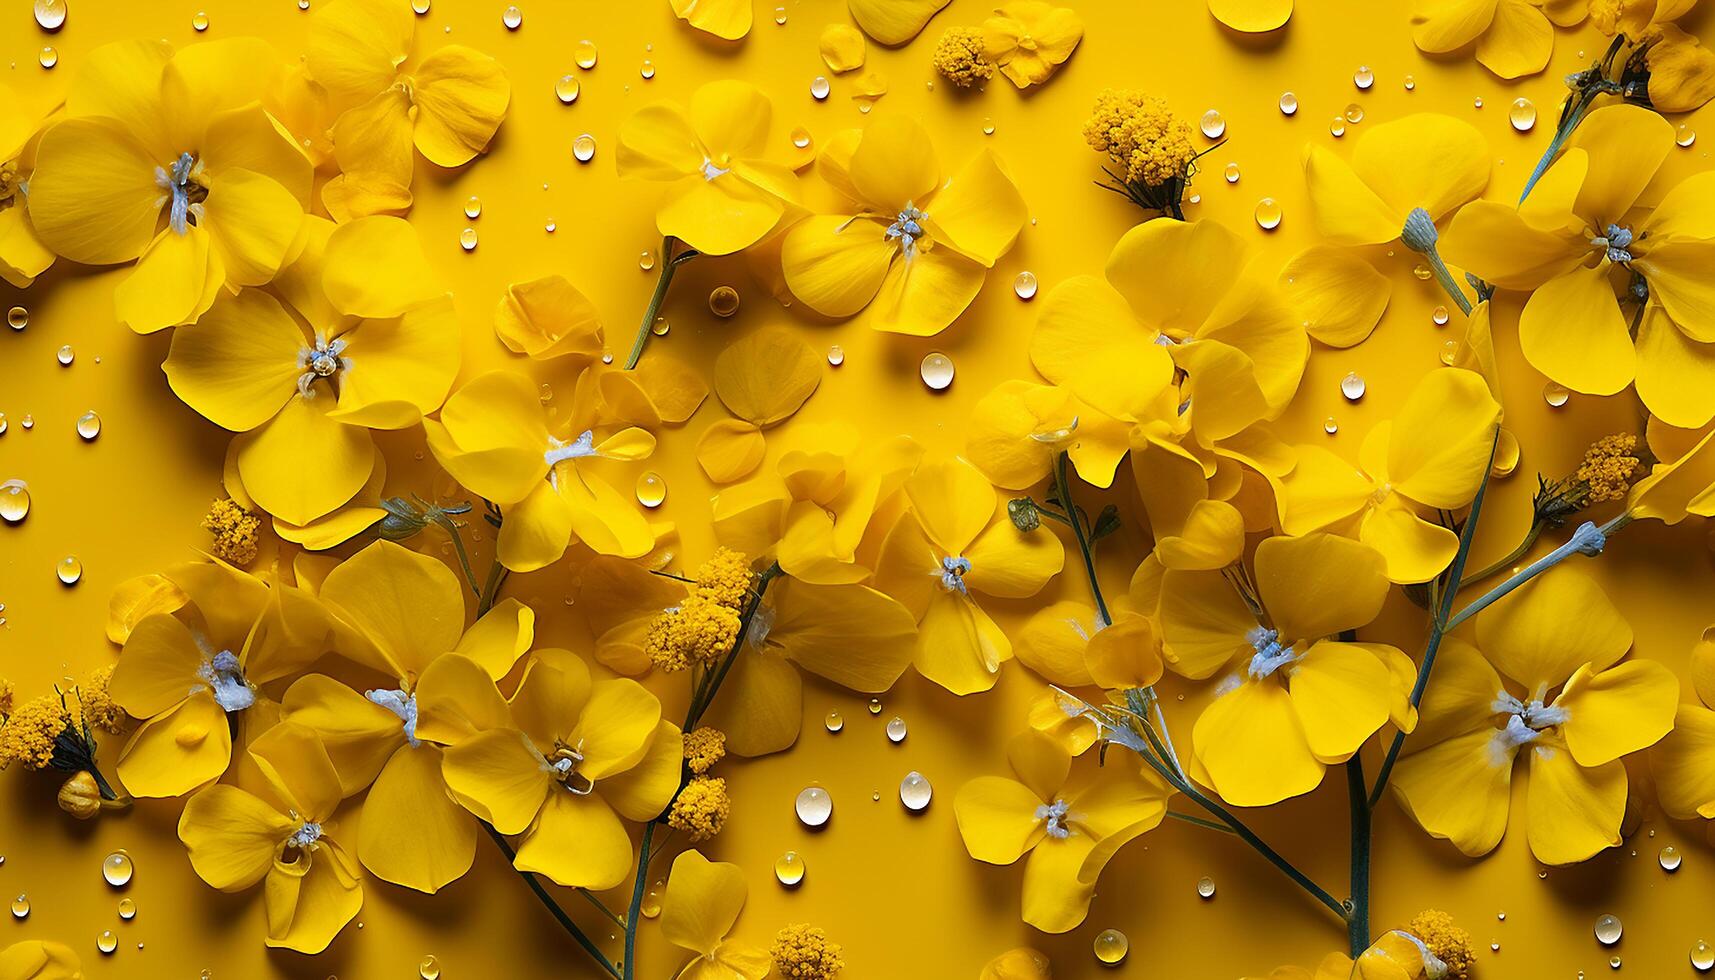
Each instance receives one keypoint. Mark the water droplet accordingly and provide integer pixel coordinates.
(1477, 103)
(1422, 271)
(107, 942)
(1205, 887)
(651, 489)
(50, 14)
(28, 421)
(65, 355)
(14, 500)
(1702, 956)
(567, 88)
(1522, 115)
(550, 226)
(1354, 113)
(896, 729)
(660, 327)
(467, 239)
(512, 17)
(1449, 352)
(583, 148)
(1288, 104)
(117, 868)
(1024, 285)
(1111, 946)
(1214, 124)
(1686, 136)
(1352, 386)
(2, 423)
(1501, 916)
(127, 909)
(17, 318)
(1363, 78)
(585, 54)
(814, 806)
(1670, 858)
(988, 126)
(21, 907)
(651, 904)
(801, 138)
(780, 16)
(1555, 394)
(1494, 947)
(647, 70)
(875, 706)
(69, 569)
(1613, 962)
(1338, 126)
(646, 260)
(723, 301)
(303, 4)
(819, 88)
(1231, 173)
(1439, 316)
(915, 791)
(936, 371)
(200, 21)
(430, 968)
(1410, 83)
(834, 721)
(836, 355)
(1330, 426)
(419, 7)
(789, 869)
(49, 57)
(1268, 214)
(472, 206)
(1608, 929)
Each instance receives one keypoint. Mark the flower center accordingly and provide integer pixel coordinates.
(325, 360)
(306, 835)
(401, 703)
(11, 187)
(559, 451)
(224, 676)
(1616, 243)
(908, 228)
(1271, 654)
(1026, 43)
(953, 574)
(182, 180)
(1055, 435)
(1055, 816)
(1525, 723)
(563, 764)
(711, 170)
(1381, 493)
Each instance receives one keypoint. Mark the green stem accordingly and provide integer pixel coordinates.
(464, 560)
(1581, 103)
(1063, 488)
(1445, 278)
(669, 264)
(553, 906)
(1358, 913)
(1588, 539)
(491, 590)
(1503, 564)
(598, 903)
(1197, 821)
(632, 917)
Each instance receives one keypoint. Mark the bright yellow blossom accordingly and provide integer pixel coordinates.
(701, 808)
(1070, 828)
(1683, 763)
(917, 247)
(275, 827)
(696, 633)
(96, 706)
(1396, 955)
(1028, 40)
(702, 903)
(234, 531)
(1680, 74)
(725, 577)
(806, 953)
(1680, 488)
(1018, 428)
(1568, 706)
(1513, 37)
(704, 747)
(623, 601)
(169, 159)
(36, 960)
(1608, 468)
(23, 257)
(725, 193)
(1426, 161)
(959, 57)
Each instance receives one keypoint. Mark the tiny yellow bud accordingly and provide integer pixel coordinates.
(80, 797)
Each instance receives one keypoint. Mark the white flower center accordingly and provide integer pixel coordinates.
(325, 360)
(711, 171)
(1616, 243)
(908, 228)
(564, 767)
(402, 704)
(306, 834)
(1271, 654)
(1525, 723)
(225, 679)
(953, 574)
(185, 193)
(559, 451)
(1055, 815)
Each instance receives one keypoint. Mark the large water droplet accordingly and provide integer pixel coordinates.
(1686, 136)
(200, 21)
(1555, 394)
(1702, 956)
(419, 7)
(1352, 386)
(512, 17)
(65, 355)
(660, 327)
(1522, 115)
(107, 942)
(834, 722)
(647, 69)
(567, 89)
(50, 14)
(801, 138)
(467, 239)
(1111, 946)
(1214, 124)
(1354, 113)
(1288, 104)
(936, 370)
(14, 501)
(651, 489)
(646, 260)
(583, 148)
(789, 869)
(17, 318)
(1363, 78)
(814, 806)
(49, 57)
(472, 207)
(819, 88)
(117, 869)
(430, 967)
(1024, 285)
(1670, 858)
(915, 791)
(1231, 173)
(584, 54)
(69, 570)
(1205, 887)
(1608, 929)
(21, 907)
(896, 729)
(1268, 214)
(723, 301)
(1439, 316)
(651, 904)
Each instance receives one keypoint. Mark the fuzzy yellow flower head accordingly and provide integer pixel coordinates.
(959, 57)
(27, 737)
(803, 952)
(1152, 159)
(701, 808)
(704, 747)
(1028, 40)
(696, 633)
(234, 531)
(1443, 939)
(1608, 468)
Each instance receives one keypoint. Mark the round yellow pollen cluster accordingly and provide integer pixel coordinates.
(725, 578)
(960, 59)
(1450, 944)
(805, 953)
(1140, 134)
(234, 530)
(699, 632)
(99, 709)
(1609, 466)
(28, 735)
(701, 808)
(704, 747)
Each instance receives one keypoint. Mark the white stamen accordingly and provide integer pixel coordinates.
(1506, 741)
(325, 360)
(402, 704)
(1270, 654)
(1055, 814)
(177, 183)
(224, 676)
(953, 574)
(710, 171)
(908, 228)
(560, 451)
(761, 621)
(1616, 243)
(307, 834)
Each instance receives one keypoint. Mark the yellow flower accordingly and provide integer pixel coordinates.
(169, 159)
(704, 747)
(1070, 828)
(1018, 428)
(957, 538)
(959, 58)
(549, 318)
(893, 22)
(1425, 161)
(1028, 40)
(806, 953)
(8, 691)
(1445, 941)
(578, 757)
(1678, 489)
(1446, 430)
(1683, 763)
(1018, 964)
(701, 808)
(96, 706)
(917, 248)
(1608, 468)
(402, 614)
(187, 679)
(1293, 701)
(496, 438)
(725, 194)
(1513, 37)
(23, 257)
(703, 901)
(1568, 706)
(234, 530)
(448, 104)
(1565, 243)
(274, 827)
(1150, 149)
(728, 20)
(27, 737)
(1635, 17)
(36, 960)
(362, 342)
(1396, 955)
(1252, 16)
(698, 632)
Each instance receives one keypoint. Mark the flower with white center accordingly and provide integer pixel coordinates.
(324, 360)
(1053, 816)
(224, 676)
(908, 229)
(401, 703)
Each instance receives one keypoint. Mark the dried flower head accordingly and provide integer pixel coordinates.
(959, 57)
(29, 733)
(1153, 159)
(97, 705)
(698, 631)
(725, 578)
(234, 530)
(704, 747)
(1444, 940)
(803, 952)
(701, 808)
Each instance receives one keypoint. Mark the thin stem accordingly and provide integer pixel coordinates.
(1502, 564)
(1445, 278)
(629, 964)
(553, 906)
(464, 560)
(1587, 540)
(669, 264)
(491, 590)
(1358, 914)
(1063, 488)
(1581, 103)
(598, 903)
(1197, 821)
(705, 694)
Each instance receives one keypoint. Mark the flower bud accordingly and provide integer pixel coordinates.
(80, 796)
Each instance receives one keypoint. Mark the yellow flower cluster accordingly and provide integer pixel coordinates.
(1140, 134)
(704, 627)
(804, 952)
(701, 808)
(28, 735)
(959, 57)
(97, 705)
(1437, 931)
(725, 578)
(704, 747)
(234, 530)
(1608, 467)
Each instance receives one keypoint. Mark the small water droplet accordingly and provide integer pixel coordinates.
(1410, 83)
(419, 7)
(1024, 285)
(567, 89)
(896, 729)
(1522, 115)
(50, 14)
(17, 318)
(1477, 103)
(117, 868)
(723, 301)
(660, 327)
(936, 370)
(915, 791)
(1555, 394)
(651, 489)
(1354, 113)
(65, 355)
(1670, 858)
(1214, 124)
(28, 421)
(14, 501)
(1702, 956)
(127, 909)
(49, 57)
(1330, 425)
(647, 69)
(1288, 104)
(988, 126)
(819, 88)
(1352, 386)
(1231, 173)
(1422, 271)
(1501, 916)
(550, 226)
(1268, 214)
(69, 570)
(107, 942)
(1608, 929)
(303, 4)
(1613, 962)
(1338, 126)
(584, 54)
(814, 806)
(1111, 946)
(512, 17)
(1494, 947)
(2, 423)
(1363, 78)
(1686, 136)
(780, 16)
(467, 239)
(801, 138)
(1439, 316)
(834, 722)
(1449, 352)
(789, 869)
(472, 207)
(836, 355)
(430, 967)
(21, 907)
(200, 21)
(1205, 887)
(646, 260)
(583, 148)
(875, 706)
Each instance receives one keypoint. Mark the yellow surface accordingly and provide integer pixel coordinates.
(897, 891)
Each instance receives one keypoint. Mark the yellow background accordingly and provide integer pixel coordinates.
(899, 892)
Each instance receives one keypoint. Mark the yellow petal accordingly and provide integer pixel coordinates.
(374, 267)
(1203, 622)
(702, 902)
(1674, 490)
(1672, 270)
(1682, 71)
(731, 118)
(674, 389)
(38, 960)
(1125, 655)
(1174, 274)
(1626, 144)
(372, 144)
(893, 22)
(175, 282)
(398, 370)
(1011, 564)
(615, 726)
(835, 265)
(954, 502)
(271, 461)
(730, 450)
(23, 256)
(767, 376)
(1618, 711)
(1252, 16)
(92, 196)
(239, 364)
(158, 668)
(122, 81)
(138, 598)
(1321, 490)
(1572, 812)
(726, 19)
(1427, 160)
(231, 836)
(1683, 764)
(1519, 40)
(461, 95)
(1052, 642)
(657, 143)
(1506, 248)
(850, 634)
(603, 519)
(1550, 627)
(894, 163)
(412, 833)
(1253, 746)
(1088, 340)
(1318, 585)
(761, 703)
(410, 607)
(842, 47)
(923, 295)
(176, 752)
(1439, 26)
(359, 736)
(997, 819)
(253, 223)
(1212, 537)
(579, 842)
(1459, 790)
(492, 435)
(499, 778)
(1451, 420)
(308, 902)
(643, 791)
(979, 211)
(457, 699)
(1341, 693)
(355, 46)
(958, 646)
(1339, 296)
(500, 637)
(1415, 550)
(1346, 210)
(1676, 374)
(548, 317)
(718, 215)
(552, 695)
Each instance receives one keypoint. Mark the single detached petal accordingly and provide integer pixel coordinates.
(1340, 297)
(728, 20)
(702, 902)
(842, 47)
(767, 376)
(548, 317)
(1252, 16)
(893, 22)
(461, 96)
(1519, 40)
(730, 450)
